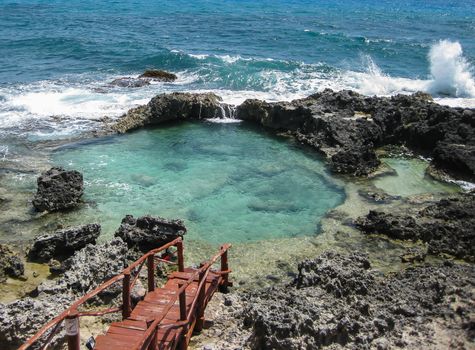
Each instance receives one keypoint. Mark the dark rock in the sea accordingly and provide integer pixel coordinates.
(160, 75)
(377, 197)
(391, 225)
(63, 243)
(168, 107)
(149, 232)
(336, 124)
(447, 226)
(85, 270)
(357, 161)
(10, 263)
(58, 189)
(337, 301)
(129, 82)
(346, 127)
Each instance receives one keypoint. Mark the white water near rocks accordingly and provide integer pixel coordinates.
(77, 103)
(451, 73)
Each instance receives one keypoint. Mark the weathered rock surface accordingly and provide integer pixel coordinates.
(88, 268)
(147, 232)
(21, 319)
(447, 226)
(10, 263)
(85, 270)
(346, 127)
(58, 189)
(129, 82)
(144, 79)
(63, 243)
(159, 75)
(168, 107)
(337, 301)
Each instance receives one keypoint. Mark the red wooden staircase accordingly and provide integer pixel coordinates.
(166, 317)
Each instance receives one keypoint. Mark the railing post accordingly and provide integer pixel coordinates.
(200, 312)
(182, 298)
(72, 330)
(224, 267)
(151, 273)
(126, 295)
(154, 343)
(181, 261)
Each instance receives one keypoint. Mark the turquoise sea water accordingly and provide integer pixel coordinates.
(228, 182)
(57, 57)
(410, 178)
(47, 39)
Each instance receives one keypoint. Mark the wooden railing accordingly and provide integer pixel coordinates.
(71, 315)
(196, 311)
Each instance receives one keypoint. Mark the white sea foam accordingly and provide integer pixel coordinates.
(374, 82)
(3, 152)
(465, 185)
(231, 59)
(199, 56)
(451, 81)
(55, 109)
(450, 71)
(223, 120)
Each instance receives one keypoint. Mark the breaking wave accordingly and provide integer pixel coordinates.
(77, 103)
(451, 72)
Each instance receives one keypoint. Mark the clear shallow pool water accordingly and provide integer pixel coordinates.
(228, 182)
(410, 178)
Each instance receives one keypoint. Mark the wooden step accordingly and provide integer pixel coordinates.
(127, 334)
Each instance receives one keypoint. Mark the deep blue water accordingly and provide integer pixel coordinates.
(47, 39)
(56, 57)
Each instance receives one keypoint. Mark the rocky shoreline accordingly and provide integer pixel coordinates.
(344, 126)
(336, 300)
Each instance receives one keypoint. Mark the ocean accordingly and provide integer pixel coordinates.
(273, 198)
(57, 57)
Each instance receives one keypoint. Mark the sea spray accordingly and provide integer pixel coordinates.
(373, 81)
(3, 152)
(450, 71)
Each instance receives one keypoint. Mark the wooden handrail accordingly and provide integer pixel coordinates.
(153, 328)
(73, 308)
(153, 252)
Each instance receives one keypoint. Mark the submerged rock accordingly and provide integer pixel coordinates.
(58, 189)
(144, 79)
(338, 301)
(168, 107)
(10, 263)
(159, 75)
(447, 226)
(129, 82)
(63, 243)
(149, 232)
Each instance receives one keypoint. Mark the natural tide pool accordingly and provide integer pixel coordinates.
(228, 182)
(410, 178)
